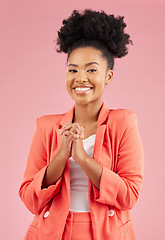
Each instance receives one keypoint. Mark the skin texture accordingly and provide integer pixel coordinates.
(87, 109)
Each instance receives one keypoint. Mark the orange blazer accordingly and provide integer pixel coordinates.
(118, 148)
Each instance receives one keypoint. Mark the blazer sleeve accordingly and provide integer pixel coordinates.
(121, 188)
(30, 190)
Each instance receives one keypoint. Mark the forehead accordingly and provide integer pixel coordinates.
(82, 55)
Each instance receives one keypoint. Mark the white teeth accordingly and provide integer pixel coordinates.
(82, 89)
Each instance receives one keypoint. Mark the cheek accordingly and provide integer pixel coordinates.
(99, 82)
(69, 84)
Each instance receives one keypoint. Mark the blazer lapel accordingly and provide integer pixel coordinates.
(68, 116)
(98, 142)
(100, 133)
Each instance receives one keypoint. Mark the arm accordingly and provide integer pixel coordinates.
(54, 171)
(33, 194)
(92, 168)
(121, 189)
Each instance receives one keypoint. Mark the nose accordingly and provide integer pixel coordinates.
(81, 77)
(81, 80)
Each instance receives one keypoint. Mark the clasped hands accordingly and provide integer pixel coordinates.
(75, 134)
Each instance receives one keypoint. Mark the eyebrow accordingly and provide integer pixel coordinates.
(87, 64)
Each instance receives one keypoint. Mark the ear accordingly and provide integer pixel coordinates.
(109, 76)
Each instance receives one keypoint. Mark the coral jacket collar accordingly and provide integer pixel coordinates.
(101, 118)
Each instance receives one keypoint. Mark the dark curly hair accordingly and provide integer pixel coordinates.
(95, 29)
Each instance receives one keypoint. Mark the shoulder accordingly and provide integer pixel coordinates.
(49, 122)
(121, 113)
(122, 117)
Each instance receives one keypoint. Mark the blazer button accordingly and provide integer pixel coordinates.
(46, 214)
(111, 213)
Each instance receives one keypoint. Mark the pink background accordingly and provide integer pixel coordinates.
(32, 84)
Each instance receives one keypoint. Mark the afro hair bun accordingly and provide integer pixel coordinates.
(94, 25)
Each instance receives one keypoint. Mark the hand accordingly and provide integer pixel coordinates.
(78, 152)
(70, 132)
(77, 133)
(72, 128)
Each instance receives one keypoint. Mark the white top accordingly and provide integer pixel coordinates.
(79, 180)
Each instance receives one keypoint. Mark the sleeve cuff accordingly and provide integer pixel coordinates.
(49, 192)
(109, 184)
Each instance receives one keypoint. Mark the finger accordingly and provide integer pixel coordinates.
(75, 130)
(78, 126)
(72, 128)
(79, 131)
(82, 133)
(68, 125)
(71, 136)
(73, 125)
(66, 133)
(77, 135)
(65, 127)
(69, 133)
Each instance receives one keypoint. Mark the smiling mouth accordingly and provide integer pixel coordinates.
(83, 90)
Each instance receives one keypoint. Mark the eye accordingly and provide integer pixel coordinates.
(72, 70)
(92, 70)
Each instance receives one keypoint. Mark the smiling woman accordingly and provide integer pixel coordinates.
(85, 167)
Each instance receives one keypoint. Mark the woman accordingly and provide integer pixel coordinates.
(85, 167)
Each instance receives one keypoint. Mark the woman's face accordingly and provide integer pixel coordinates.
(87, 75)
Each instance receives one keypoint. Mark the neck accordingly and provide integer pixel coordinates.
(87, 114)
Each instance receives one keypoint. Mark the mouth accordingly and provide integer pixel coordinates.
(82, 90)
